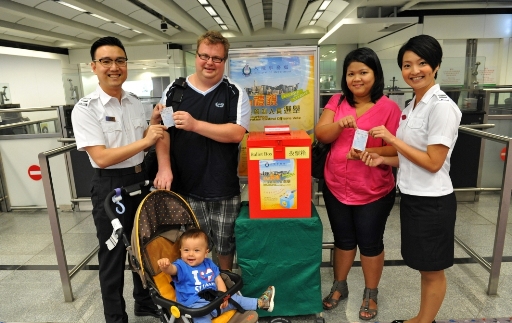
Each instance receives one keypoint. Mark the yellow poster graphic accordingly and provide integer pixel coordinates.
(278, 184)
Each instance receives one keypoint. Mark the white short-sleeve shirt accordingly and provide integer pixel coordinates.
(101, 120)
(434, 120)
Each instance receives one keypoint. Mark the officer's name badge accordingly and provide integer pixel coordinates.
(107, 118)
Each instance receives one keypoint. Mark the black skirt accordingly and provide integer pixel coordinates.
(427, 231)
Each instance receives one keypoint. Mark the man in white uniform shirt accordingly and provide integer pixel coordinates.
(109, 124)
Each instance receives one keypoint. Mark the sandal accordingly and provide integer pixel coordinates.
(367, 295)
(337, 286)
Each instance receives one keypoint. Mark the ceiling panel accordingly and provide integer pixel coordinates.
(31, 3)
(89, 20)
(44, 39)
(70, 31)
(144, 16)
(58, 9)
(37, 24)
(10, 17)
(253, 22)
(112, 28)
(123, 6)
(279, 9)
(20, 34)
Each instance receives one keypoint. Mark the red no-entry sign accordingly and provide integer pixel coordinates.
(34, 172)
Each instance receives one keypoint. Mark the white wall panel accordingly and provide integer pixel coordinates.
(455, 27)
(489, 49)
(33, 81)
(498, 26)
(454, 48)
(77, 56)
(387, 47)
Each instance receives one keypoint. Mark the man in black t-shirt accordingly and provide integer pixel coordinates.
(198, 157)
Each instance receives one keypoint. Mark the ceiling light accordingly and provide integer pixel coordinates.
(317, 15)
(138, 32)
(99, 17)
(210, 10)
(213, 13)
(115, 23)
(324, 5)
(312, 22)
(71, 6)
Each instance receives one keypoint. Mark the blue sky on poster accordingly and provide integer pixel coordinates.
(272, 71)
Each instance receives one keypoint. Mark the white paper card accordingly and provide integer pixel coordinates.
(360, 138)
(166, 114)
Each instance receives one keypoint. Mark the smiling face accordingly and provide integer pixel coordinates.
(194, 250)
(208, 72)
(417, 73)
(360, 79)
(110, 78)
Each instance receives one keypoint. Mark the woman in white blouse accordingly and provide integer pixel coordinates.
(424, 142)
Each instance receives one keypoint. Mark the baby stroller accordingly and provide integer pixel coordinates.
(160, 220)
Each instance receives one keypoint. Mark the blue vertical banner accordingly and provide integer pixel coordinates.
(281, 86)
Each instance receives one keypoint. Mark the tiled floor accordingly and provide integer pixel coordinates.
(31, 290)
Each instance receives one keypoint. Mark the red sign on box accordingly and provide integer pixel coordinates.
(34, 172)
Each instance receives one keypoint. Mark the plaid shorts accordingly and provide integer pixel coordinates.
(217, 219)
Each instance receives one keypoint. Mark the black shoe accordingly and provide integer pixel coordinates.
(141, 310)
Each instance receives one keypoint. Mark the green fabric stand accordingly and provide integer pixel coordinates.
(285, 253)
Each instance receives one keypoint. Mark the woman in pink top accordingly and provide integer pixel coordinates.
(358, 199)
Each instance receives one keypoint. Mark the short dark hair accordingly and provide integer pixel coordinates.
(369, 58)
(194, 233)
(213, 37)
(106, 41)
(426, 47)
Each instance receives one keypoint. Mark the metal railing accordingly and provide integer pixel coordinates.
(27, 123)
(493, 267)
(65, 275)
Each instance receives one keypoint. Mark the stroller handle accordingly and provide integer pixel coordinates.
(114, 197)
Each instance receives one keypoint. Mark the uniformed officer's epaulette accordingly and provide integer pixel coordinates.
(84, 101)
(442, 96)
(133, 94)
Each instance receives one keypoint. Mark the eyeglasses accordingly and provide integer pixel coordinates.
(107, 62)
(215, 59)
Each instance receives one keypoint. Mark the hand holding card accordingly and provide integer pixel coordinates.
(166, 114)
(360, 138)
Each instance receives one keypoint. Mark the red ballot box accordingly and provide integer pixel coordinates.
(279, 175)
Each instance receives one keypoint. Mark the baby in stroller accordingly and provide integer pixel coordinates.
(195, 275)
(161, 218)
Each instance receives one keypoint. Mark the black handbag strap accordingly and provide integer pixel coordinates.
(175, 93)
(341, 99)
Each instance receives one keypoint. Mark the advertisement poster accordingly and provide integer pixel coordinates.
(278, 184)
(281, 87)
